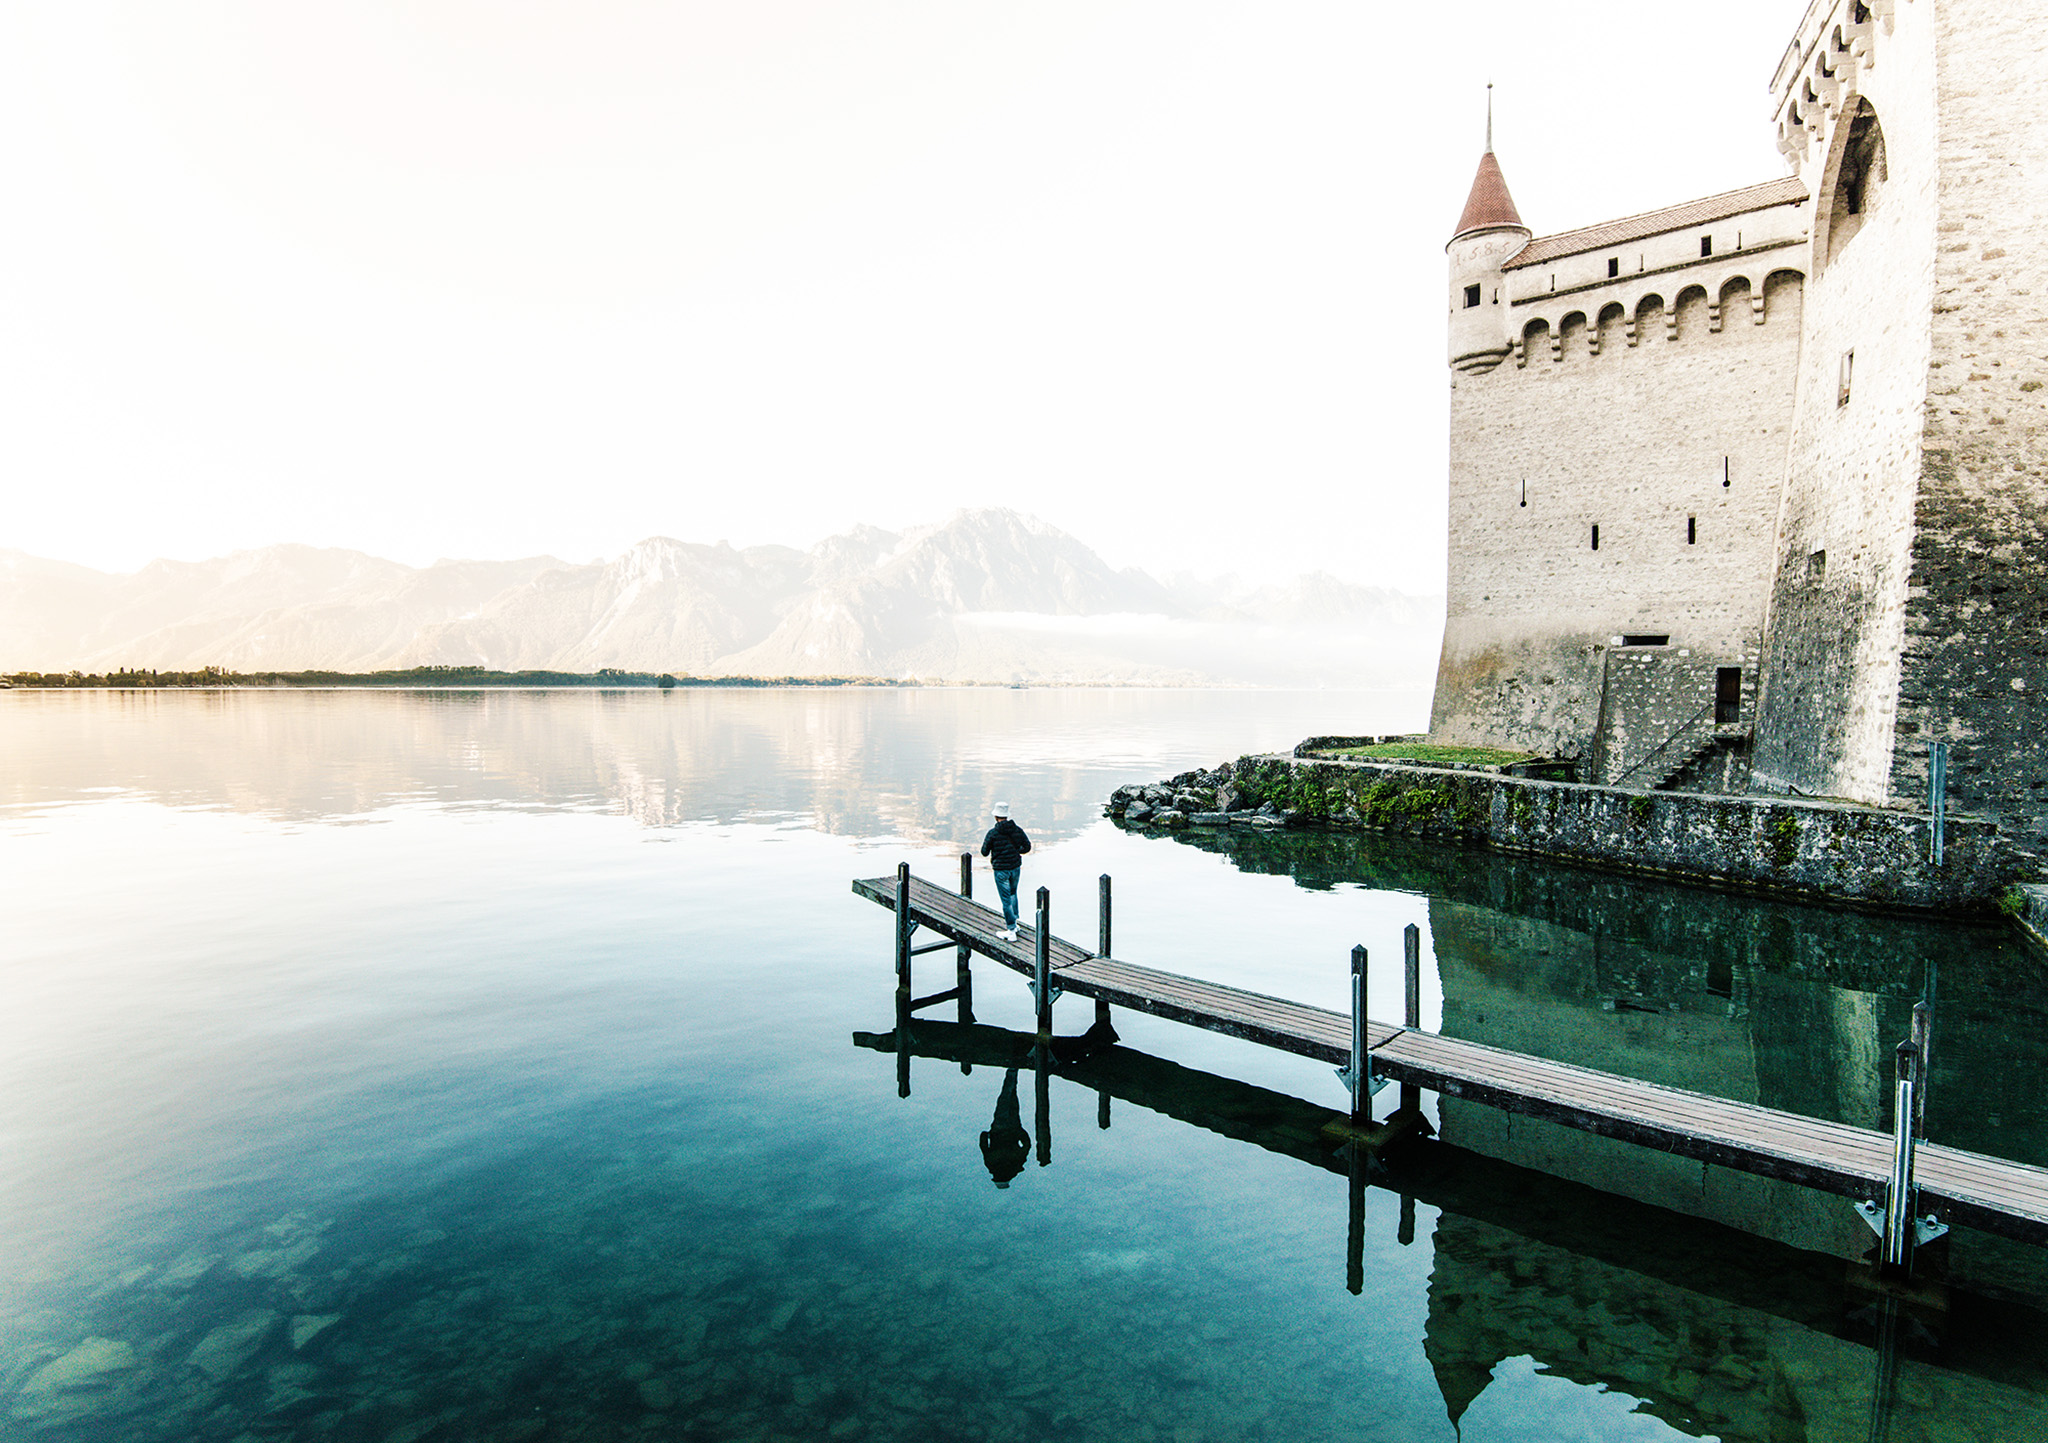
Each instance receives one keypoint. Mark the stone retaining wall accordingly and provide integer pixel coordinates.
(1841, 852)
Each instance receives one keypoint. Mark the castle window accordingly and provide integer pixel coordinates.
(1724, 473)
(1842, 381)
(1596, 536)
(1471, 297)
(1727, 694)
(1525, 491)
(1817, 568)
(1706, 245)
(1613, 267)
(1647, 639)
(1692, 531)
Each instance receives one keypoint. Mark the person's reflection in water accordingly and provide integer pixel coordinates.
(1006, 1146)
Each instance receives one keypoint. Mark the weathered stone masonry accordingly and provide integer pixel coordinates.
(1879, 571)
(1780, 844)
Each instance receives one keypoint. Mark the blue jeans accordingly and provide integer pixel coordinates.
(1006, 888)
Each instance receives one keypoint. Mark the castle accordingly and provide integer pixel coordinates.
(1751, 493)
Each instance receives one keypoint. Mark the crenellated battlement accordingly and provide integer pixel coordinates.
(1822, 73)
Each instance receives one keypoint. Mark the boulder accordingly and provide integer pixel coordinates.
(1136, 813)
(1228, 798)
(1172, 820)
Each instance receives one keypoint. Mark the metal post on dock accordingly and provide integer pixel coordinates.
(1041, 972)
(1898, 1202)
(1937, 798)
(1923, 1058)
(1354, 1076)
(963, 958)
(1102, 950)
(904, 928)
(1411, 1013)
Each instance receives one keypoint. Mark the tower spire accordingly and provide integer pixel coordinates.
(1489, 117)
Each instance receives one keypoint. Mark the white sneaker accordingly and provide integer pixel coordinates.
(1010, 934)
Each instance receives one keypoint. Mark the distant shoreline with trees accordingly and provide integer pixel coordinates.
(417, 678)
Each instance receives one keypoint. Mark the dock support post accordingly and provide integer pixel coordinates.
(1411, 1014)
(1355, 1076)
(1923, 1036)
(1041, 1101)
(1102, 950)
(1354, 1236)
(1405, 1231)
(963, 959)
(1898, 1202)
(904, 927)
(1102, 1110)
(1041, 973)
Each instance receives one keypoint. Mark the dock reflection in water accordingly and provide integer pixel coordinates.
(1714, 1331)
(1779, 1003)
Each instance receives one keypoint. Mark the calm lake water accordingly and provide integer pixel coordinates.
(414, 1067)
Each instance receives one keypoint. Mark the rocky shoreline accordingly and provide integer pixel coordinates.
(1828, 851)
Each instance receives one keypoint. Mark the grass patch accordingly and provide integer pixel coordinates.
(1428, 753)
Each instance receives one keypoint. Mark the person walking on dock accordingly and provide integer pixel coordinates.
(1005, 846)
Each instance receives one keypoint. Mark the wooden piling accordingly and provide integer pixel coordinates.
(1041, 1100)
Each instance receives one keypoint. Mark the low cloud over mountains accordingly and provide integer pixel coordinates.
(986, 596)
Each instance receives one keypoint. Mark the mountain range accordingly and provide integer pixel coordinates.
(989, 595)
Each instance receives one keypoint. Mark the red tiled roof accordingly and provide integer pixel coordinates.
(1657, 222)
(1489, 204)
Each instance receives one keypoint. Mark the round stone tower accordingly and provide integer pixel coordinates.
(1489, 231)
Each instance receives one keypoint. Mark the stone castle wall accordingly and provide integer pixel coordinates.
(1826, 714)
(1636, 439)
(1975, 665)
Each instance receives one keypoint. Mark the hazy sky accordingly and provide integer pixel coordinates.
(496, 278)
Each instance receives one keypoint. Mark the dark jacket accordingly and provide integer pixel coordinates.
(1005, 846)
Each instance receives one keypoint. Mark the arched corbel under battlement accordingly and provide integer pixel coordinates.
(1691, 314)
(1572, 335)
(1782, 288)
(1613, 322)
(1643, 320)
(1736, 301)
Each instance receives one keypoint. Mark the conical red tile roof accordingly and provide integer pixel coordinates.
(1489, 204)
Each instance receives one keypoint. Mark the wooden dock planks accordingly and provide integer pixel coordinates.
(1987, 1193)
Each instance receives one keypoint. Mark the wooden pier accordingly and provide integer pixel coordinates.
(1986, 1193)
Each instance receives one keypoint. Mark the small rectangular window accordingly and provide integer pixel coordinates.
(1706, 245)
(1596, 536)
(1842, 384)
(1471, 297)
(1645, 638)
(1727, 694)
(1692, 530)
(1613, 267)
(1817, 567)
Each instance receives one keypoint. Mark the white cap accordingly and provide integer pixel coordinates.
(1002, 809)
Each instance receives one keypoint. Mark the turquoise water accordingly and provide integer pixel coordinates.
(417, 1067)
